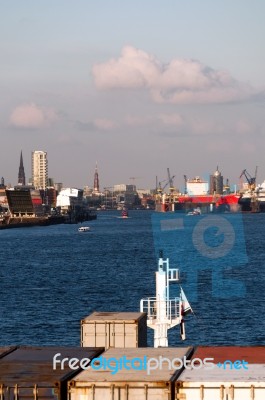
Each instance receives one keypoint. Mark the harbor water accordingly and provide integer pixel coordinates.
(52, 277)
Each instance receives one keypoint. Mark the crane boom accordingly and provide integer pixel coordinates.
(250, 179)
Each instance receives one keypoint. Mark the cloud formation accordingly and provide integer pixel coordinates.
(31, 116)
(104, 124)
(180, 81)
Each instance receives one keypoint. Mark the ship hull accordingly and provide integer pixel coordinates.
(217, 204)
(206, 203)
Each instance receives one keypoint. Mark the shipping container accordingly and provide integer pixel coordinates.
(251, 354)
(29, 372)
(123, 374)
(222, 384)
(114, 329)
(227, 381)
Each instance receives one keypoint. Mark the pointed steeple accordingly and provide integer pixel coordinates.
(21, 172)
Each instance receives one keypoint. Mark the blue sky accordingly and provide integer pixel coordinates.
(135, 86)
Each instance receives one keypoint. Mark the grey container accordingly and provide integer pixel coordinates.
(220, 384)
(27, 372)
(129, 384)
(114, 329)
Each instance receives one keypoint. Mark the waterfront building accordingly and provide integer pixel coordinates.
(124, 188)
(58, 187)
(20, 202)
(87, 191)
(69, 199)
(126, 195)
(21, 172)
(39, 169)
(3, 199)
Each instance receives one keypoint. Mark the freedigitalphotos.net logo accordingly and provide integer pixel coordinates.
(114, 365)
(213, 242)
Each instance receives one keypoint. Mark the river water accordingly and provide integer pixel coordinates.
(52, 277)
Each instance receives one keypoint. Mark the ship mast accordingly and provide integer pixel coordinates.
(164, 313)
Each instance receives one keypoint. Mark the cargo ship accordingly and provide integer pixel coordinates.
(190, 373)
(209, 203)
(198, 194)
(206, 203)
(253, 200)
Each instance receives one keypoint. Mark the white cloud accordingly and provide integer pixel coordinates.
(244, 127)
(180, 81)
(104, 123)
(139, 121)
(174, 120)
(32, 116)
(133, 69)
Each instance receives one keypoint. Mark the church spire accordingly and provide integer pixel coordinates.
(21, 172)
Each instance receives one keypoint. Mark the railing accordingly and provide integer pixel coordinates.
(157, 309)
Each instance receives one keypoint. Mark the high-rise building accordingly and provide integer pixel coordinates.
(21, 172)
(216, 182)
(39, 169)
(96, 181)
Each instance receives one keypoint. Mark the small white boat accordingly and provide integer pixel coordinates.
(196, 211)
(84, 229)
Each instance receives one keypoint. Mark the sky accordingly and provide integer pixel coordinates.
(136, 87)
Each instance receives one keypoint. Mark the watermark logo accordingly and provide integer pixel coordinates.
(115, 365)
(195, 243)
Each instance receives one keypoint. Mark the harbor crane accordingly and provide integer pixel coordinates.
(161, 188)
(250, 180)
(185, 183)
(133, 178)
(168, 181)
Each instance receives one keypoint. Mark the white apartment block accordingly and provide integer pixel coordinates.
(39, 169)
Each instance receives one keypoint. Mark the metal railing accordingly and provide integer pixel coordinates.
(168, 308)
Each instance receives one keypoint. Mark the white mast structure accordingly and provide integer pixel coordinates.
(164, 313)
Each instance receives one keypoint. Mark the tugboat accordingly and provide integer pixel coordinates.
(124, 213)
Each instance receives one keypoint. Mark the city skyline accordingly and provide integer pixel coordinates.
(135, 87)
(39, 161)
